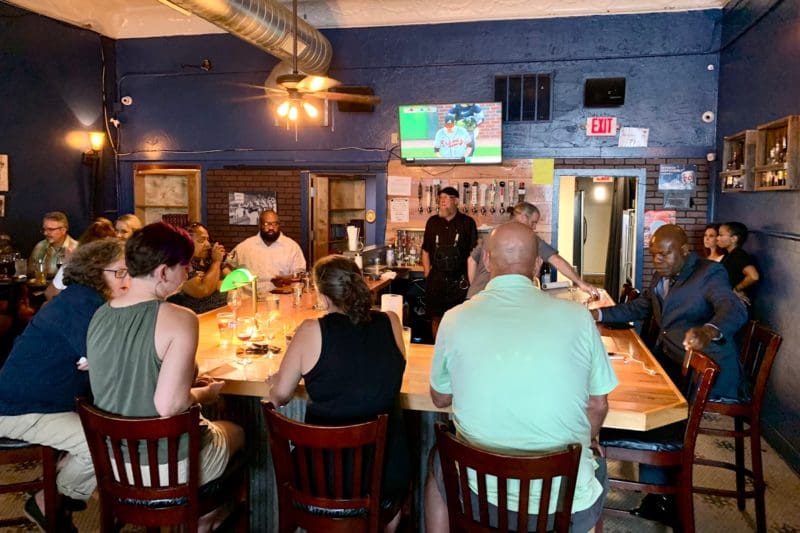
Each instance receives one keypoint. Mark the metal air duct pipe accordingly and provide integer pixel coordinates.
(268, 25)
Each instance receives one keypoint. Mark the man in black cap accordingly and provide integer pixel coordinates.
(449, 238)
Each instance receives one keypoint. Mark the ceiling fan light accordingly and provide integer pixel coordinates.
(311, 111)
(283, 109)
(293, 112)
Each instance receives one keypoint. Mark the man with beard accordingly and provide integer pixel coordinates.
(271, 256)
(449, 238)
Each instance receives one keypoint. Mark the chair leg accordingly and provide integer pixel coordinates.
(738, 425)
(758, 476)
(49, 473)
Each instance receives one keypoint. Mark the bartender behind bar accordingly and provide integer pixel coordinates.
(449, 238)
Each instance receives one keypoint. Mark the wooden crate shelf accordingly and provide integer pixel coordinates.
(778, 155)
(738, 161)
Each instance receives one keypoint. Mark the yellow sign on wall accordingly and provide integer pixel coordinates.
(542, 171)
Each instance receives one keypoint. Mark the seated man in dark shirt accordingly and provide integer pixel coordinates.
(200, 292)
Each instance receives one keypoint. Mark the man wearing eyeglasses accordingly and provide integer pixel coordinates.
(56, 245)
(271, 256)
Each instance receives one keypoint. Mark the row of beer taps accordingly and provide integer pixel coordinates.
(476, 197)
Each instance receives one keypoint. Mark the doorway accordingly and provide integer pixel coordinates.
(598, 218)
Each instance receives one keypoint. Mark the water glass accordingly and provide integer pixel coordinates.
(226, 323)
(407, 337)
(20, 265)
(273, 304)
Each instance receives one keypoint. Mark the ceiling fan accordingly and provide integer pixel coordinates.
(292, 90)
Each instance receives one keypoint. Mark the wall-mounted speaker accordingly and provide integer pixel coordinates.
(352, 107)
(604, 92)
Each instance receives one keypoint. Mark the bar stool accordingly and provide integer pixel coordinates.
(17, 451)
(328, 477)
(459, 458)
(669, 446)
(167, 498)
(757, 356)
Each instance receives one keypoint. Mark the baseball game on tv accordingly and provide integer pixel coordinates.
(463, 133)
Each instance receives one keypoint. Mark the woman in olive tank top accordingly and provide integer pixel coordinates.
(141, 349)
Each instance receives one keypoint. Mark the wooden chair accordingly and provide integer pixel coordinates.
(329, 478)
(18, 451)
(457, 457)
(757, 356)
(164, 499)
(669, 446)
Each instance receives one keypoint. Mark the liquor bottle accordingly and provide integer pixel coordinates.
(390, 255)
(732, 164)
(544, 277)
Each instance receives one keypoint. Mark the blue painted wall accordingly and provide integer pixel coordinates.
(759, 76)
(50, 87)
(190, 113)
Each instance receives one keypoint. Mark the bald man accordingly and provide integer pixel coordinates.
(694, 307)
(524, 372)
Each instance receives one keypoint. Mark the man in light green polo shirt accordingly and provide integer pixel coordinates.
(523, 372)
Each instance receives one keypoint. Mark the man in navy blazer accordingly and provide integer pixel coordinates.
(694, 307)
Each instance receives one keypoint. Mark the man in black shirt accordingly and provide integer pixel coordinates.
(449, 238)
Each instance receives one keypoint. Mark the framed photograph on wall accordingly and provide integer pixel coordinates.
(244, 207)
(3, 172)
(677, 177)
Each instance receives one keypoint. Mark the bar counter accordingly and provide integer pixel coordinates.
(645, 398)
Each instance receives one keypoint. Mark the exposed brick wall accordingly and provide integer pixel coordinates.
(221, 182)
(693, 220)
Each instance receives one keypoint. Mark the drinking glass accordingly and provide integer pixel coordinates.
(288, 328)
(245, 327)
(270, 332)
(234, 300)
(226, 324)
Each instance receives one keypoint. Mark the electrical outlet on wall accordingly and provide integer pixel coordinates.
(393, 138)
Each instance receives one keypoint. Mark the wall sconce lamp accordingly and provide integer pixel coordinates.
(96, 141)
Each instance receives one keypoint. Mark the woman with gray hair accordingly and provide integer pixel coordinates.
(46, 370)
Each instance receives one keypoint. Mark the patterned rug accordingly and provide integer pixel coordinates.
(712, 514)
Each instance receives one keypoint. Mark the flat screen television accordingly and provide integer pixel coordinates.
(448, 134)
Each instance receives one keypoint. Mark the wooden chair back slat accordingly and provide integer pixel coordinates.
(502, 503)
(327, 470)
(318, 467)
(457, 458)
(358, 471)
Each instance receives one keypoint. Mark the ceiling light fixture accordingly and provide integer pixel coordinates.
(289, 108)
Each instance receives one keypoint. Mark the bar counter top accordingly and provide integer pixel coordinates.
(645, 398)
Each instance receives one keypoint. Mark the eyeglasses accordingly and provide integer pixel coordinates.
(119, 273)
(50, 230)
(270, 224)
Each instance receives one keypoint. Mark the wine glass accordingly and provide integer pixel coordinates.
(245, 327)
(234, 300)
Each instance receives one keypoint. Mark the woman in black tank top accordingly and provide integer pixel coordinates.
(352, 361)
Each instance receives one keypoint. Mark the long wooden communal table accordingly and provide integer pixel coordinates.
(645, 398)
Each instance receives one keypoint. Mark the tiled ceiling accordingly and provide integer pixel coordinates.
(122, 19)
